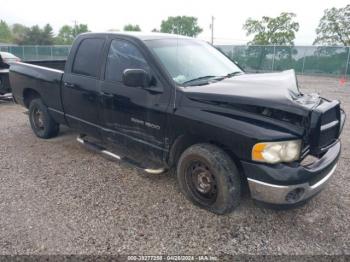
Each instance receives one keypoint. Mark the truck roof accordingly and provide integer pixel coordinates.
(141, 35)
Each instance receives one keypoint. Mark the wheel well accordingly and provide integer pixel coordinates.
(185, 141)
(28, 95)
(180, 144)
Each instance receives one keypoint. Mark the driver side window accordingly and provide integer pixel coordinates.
(123, 55)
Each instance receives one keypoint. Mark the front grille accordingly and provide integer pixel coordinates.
(329, 135)
(327, 125)
(329, 116)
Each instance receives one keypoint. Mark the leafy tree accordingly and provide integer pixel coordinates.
(19, 33)
(5, 32)
(37, 36)
(278, 30)
(79, 29)
(32, 36)
(334, 27)
(67, 33)
(182, 25)
(131, 27)
(47, 35)
(65, 36)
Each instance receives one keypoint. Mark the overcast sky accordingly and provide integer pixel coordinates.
(230, 15)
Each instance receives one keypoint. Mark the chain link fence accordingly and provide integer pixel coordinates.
(311, 60)
(38, 53)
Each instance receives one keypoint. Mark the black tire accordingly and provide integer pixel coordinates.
(2, 86)
(43, 126)
(201, 162)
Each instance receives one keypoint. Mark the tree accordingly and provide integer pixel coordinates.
(32, 36)
(334, 27)
(67, 33)
(182, 25)
(278, 30)
(131, 27)
(47, 35)
(79, 29)
(5, 32)
(19, 32)
(65, 36)
(37, 36)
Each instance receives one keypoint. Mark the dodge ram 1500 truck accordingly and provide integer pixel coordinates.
(168, 102)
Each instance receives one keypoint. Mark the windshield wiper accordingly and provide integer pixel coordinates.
(198, 79)
(233, 74)
(212, 77)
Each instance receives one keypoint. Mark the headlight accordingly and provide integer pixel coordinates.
(276, 152)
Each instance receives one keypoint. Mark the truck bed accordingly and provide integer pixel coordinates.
(53, 64)
(46, 81)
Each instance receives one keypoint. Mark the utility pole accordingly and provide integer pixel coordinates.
(212, 29)
(75, 27)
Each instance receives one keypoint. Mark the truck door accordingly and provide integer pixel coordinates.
(134, 118)
(80, 90)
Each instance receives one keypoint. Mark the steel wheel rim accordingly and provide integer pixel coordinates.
(38, 119)
(201, 181)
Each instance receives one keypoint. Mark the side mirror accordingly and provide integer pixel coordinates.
(136, 78)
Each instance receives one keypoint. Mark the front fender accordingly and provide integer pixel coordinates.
(238, 134)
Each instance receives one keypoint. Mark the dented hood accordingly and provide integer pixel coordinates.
(271, 90)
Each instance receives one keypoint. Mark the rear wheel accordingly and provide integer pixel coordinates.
(41, 122)
(2, 86)
(209, 178)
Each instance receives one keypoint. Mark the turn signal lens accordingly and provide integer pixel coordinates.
(257, 151)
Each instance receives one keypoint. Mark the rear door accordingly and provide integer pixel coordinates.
(134, 117)
(80, 90)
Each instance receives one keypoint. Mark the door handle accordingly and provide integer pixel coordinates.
(69, 85)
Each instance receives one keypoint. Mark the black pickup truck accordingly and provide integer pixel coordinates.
(167, 102)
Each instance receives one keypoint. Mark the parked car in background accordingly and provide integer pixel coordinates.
(5, 60)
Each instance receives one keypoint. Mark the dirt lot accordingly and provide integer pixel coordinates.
(56, 197)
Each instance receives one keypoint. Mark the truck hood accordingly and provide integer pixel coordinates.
(271, 90)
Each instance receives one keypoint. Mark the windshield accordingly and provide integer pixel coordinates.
(189, 60)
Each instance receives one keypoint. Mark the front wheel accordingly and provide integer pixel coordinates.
(209, 178)
(41, 122)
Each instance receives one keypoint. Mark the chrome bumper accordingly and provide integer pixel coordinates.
(277, 194)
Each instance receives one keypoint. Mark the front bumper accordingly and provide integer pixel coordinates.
(290, 184)
(276, 194)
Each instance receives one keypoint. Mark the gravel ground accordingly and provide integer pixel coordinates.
(56, 197)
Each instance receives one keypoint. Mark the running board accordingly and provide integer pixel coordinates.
(6, 97)
(103, 151)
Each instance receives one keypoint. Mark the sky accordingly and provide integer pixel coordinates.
(230, 15)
